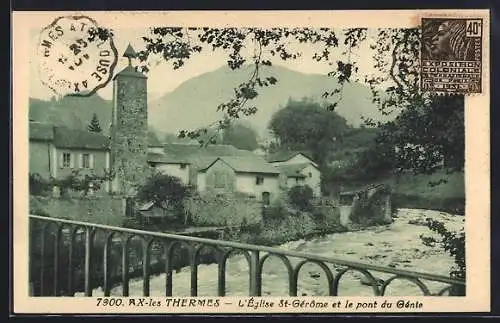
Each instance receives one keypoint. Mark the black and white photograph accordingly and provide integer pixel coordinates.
(175, 163)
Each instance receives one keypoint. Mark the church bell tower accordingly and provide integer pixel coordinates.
(129, 127)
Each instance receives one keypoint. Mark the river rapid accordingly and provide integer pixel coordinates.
(397, 245)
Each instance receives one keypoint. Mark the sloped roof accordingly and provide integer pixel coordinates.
(247, 164)
(64, 137)
(202, 156)
(285, 155)
(293, 170)
(165, 159)
(71, 138)
(41, 131)
(130, 71)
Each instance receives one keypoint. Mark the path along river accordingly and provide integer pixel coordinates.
(397, 245)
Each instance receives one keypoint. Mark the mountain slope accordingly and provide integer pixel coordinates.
(73, 112)
(193, 103)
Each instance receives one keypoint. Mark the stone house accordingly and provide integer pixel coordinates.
(56, 151)
(297, 168)
(250, 176)
(170, 165)
(217, 168)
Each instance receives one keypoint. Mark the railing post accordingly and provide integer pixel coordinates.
(125, 268)
(255, 274)
(105, 264)
(222, 275)
(88, 261)
(194, 271)
(71, 247)
(42, 259)
(57, 241)
(145, 268)
(167, 249)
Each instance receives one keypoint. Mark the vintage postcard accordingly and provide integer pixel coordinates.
(251, 162)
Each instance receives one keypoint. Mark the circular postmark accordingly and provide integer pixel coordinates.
(74, 59)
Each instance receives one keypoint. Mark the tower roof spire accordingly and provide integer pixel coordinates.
(130, 70)
(130, 53)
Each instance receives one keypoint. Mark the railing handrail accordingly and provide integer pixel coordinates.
(273, 250)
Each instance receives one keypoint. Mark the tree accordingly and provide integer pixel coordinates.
(167, 192)
(306, 125)
(94, 125)
(301, 196)
(395, 86)
(240, 136)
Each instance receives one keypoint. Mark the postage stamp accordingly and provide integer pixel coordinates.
(73, 58)
(250, 162)
(451, 55)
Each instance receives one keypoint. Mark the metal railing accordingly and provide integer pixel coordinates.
(70, 233)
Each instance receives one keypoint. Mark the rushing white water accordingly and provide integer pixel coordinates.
(397, 245)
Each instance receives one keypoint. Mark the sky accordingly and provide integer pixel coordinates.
(163, 79)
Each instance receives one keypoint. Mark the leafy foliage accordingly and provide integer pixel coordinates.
(240, 136)
(94, 125)
(38, 185)
(222, 210)
(77, 181)
(306, 125)
(395, 86)
(429, 136)
(165, 191)
(453, 243)
(301, 197)
(81, 183)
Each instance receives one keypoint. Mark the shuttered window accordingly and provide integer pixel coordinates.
(66, 160)
(85, 161)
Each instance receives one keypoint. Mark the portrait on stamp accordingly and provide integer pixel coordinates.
(451, 55)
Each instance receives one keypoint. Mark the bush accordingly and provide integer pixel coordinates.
(80, 183)
(454, 244)
(222, 210)
(292, 227)
(274, 214)
(166, 192)
(301, 197)
(39, 186)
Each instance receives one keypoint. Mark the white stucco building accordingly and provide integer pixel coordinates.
(297, 169)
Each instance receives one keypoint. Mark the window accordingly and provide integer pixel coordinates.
(296, 180)
(183, 166)
(66, 160)
(310, 174)
(259, 180)
(85, 161)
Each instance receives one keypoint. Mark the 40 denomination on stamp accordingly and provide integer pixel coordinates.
(73, 59)
(451, 55)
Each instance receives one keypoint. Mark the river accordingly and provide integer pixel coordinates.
(397, 245)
